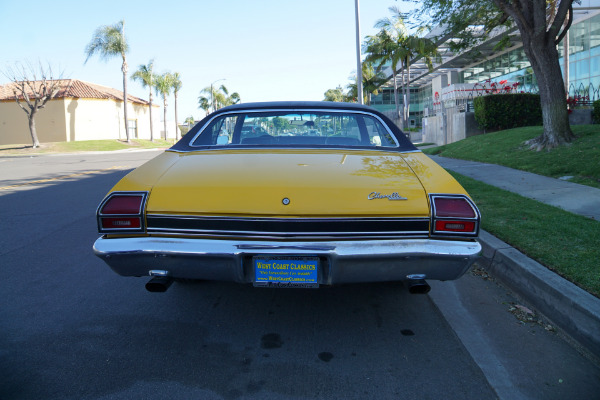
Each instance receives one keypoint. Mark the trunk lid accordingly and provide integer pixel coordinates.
(318, 183)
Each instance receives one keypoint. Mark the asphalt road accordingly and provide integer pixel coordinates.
(72, 329)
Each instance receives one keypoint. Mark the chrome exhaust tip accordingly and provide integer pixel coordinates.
(158, 284)
(417, 285)
(160, 281)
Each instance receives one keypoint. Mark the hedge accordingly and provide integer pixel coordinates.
(505, 111)
(596, 112)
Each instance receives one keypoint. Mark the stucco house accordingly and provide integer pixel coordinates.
(80, 111)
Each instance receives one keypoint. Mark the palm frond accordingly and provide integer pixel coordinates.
(108, 41)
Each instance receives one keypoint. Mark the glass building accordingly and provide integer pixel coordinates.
(512, 65)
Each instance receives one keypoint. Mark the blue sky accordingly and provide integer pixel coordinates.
(265, 50)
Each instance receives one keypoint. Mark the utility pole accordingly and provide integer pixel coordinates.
(359, 78)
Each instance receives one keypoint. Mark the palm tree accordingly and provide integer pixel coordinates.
(109, 41)
(388, 46)
(383, 48)
(176, 84)
(208, 98)
(163, 85)
(216, 98)
(228, 100)
(373, 79)
(145, 76)
(204, 103)
(417, 47)
(406, 47)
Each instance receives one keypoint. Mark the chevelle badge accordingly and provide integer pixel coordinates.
(393, 196)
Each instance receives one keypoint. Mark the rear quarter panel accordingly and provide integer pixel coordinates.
(434, 178)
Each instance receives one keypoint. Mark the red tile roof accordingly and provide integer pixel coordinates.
(74, 88)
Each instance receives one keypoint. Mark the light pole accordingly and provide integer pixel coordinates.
(359, 79)
(212, 98)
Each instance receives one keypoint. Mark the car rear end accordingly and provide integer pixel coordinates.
(290, 217)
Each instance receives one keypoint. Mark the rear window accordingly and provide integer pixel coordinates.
(295, 129)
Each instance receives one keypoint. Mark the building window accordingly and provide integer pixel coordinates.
(132, 128)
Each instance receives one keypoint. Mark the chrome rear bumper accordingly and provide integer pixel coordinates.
(341, 261)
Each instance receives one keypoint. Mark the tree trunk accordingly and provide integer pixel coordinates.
(407, 95)
(34, 137)
(151, 127)
(543, 56)
(124, 69)
(396, 93)
(176, 127)
(165, 115)
(402, 91)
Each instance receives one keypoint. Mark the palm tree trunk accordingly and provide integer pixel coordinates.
(176, 127)
(403, 85)
(151, 127)
(165, 115)
(407, 95)
(395, 75)
(124, 69)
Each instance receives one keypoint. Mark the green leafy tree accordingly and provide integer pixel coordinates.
(109, 41)
(176, 84)
(541, 24)
(336, 95)
(280, 124)
(187, 125)
(373, 79)
(145, 76)
(393, 45)
(163, 85)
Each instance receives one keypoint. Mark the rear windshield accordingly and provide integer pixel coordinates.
(295, 128)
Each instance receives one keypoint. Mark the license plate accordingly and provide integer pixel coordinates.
(286, 271)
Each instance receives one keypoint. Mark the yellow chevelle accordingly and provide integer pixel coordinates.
(290, 194)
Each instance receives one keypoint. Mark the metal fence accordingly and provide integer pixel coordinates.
(461, 96)
(584, 95)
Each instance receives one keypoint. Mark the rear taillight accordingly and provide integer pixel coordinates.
(122, 212)
(453, 215)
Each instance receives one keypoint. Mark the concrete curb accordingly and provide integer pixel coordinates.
(572, 309)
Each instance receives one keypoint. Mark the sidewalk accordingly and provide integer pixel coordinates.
(578, 199)
(569, 307)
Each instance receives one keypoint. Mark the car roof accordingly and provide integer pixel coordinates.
(297, 104)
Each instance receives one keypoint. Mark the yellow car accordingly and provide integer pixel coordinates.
(290, 194)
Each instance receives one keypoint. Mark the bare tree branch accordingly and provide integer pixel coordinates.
(35, 93)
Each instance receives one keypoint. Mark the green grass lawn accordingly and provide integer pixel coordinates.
(564, 242)
(85, 145)
(580, 159)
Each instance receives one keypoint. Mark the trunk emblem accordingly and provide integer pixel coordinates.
(285, 201)
(393, 196)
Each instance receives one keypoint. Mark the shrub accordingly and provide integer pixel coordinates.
(596, 112)
(506, 111)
